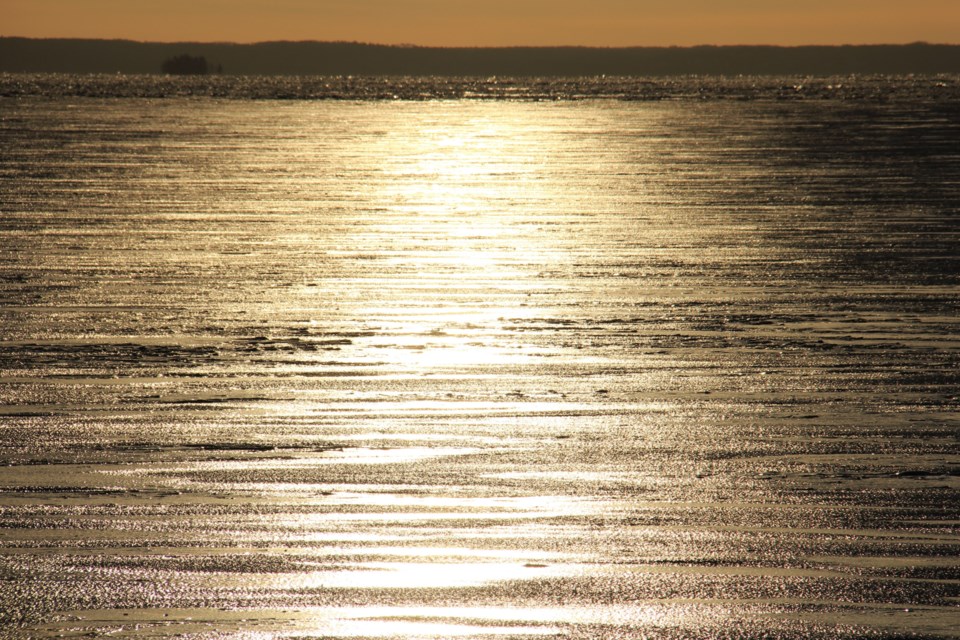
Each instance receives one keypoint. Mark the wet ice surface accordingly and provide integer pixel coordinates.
(477, 369)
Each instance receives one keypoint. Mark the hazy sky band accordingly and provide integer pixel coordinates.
(492, 22)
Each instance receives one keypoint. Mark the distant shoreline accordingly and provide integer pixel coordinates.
(29, 55)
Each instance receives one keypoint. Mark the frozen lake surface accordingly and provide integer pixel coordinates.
(513, 365)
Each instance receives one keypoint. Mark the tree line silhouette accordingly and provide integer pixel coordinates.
(351, 58)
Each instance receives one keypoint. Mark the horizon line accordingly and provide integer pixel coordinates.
(914, 43)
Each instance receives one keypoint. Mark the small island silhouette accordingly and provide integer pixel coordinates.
(187, 65)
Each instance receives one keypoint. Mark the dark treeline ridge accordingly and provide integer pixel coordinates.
(346, 58)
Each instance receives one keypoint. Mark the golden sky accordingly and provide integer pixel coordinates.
(492, 22)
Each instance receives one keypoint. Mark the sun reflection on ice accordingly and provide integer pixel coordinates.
(422, 575)
(459, 253)
(621, 620)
